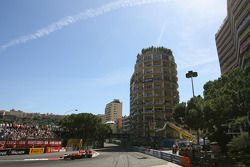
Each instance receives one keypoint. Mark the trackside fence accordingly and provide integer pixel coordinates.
(179, 160)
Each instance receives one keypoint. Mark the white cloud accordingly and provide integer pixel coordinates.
(163, 28)
(115, 5)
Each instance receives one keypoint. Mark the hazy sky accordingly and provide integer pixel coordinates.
(60, 55)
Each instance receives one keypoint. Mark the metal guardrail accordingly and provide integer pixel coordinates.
(184, 160)
(159, 154)
(166, 156)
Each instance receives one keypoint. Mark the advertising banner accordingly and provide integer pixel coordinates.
(4, 152)
(21, 143)
(31, 143)
(48, 150)
(52, 149)
(36, 151)
(55, 143)
(10, 143)
(55, 149)
(18, 151)
(62, 149)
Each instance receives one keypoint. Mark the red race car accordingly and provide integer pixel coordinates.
(78, 155)
(89, 153)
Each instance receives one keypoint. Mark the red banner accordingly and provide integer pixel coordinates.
(52, 149)
(31, 143)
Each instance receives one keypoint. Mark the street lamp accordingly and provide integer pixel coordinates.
(191, 74)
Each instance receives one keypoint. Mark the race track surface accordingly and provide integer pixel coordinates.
(111, 156)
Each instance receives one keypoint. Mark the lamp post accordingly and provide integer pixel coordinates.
(191, 74)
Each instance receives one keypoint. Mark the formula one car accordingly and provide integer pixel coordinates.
(89, 153)
(78, 155)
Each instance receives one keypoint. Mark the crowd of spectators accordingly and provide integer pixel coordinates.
(26, 132)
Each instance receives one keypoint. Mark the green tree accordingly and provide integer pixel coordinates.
(194, 115)
(239, 148)
(230, 93)
(103, 131)
(85, 126)
(179, 113)
(226, 99)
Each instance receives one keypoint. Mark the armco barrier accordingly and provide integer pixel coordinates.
(179, 160)
(166, 156)
(156, 153)
(141, 149)
(151, 152)
(176, 159)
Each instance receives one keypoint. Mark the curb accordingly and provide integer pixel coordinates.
(42, 159)
(95, 154)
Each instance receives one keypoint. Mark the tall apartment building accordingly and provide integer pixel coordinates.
(113, 112)
(153, 90)
(233, 37)
(125, 124)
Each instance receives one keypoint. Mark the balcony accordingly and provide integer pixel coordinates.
(148, 80)
(148, 103)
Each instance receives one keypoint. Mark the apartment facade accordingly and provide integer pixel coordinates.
(113, 112)
(125, 124)
(233, 37)
(153, 90)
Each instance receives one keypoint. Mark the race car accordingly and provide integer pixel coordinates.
(78, 155)
(65, 156)
(89, 153)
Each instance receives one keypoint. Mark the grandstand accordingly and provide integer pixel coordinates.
(14, 135)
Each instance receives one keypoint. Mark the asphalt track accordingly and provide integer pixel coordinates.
(112, 156)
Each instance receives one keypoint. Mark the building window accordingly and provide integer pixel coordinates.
(148, 72)
(157, 63)
(157, 57)
(148, 87)
(147, 57)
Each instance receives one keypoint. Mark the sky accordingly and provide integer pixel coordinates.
(58, 55)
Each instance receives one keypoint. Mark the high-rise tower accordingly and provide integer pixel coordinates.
(113, 112)
(233, 37)
(153, 90)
